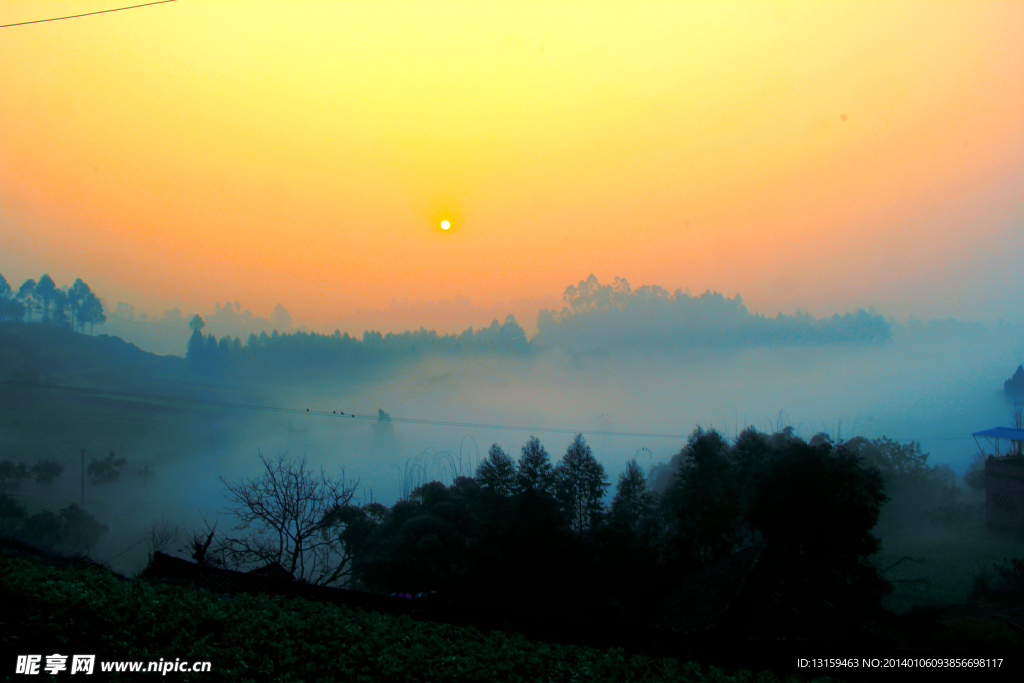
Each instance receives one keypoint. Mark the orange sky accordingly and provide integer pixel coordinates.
(821, 155)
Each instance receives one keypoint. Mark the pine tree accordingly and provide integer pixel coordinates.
(535, 473)
(497, 472)
(580, 483)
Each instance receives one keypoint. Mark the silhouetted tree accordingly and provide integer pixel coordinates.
(816, 507)
(749, 455)
(290, 515)
(45, 292)
(355, 527)
(90, 309)
(195, 353)
(580, 483)
(534, 473)
(210, 355)
(497, 472)
(10, 307)
(76, 297)
(62, 314)
(629, 548)
(27, 296)
(105, 471)
(633, 506)
(703, 501)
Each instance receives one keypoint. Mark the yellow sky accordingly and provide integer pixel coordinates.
(820, 155)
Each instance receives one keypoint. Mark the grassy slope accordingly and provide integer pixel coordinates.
(87, 610)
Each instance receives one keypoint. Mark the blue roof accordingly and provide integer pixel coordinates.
(1002, 433)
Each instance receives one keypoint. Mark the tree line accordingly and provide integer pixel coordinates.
(532, 536)
(71, 307)
(597, 316)
(207, 354)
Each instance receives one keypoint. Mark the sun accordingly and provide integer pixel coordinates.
(445, 225)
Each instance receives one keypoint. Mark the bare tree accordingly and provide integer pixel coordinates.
(288, 515)
(160, 536)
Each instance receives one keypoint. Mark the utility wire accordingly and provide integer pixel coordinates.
(321, 413)
(402, 420)
(87, 14)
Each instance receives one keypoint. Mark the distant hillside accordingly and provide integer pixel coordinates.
(34, 352)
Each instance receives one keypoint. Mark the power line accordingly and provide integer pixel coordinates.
(402, 420)
(87, 14)
(350, 416)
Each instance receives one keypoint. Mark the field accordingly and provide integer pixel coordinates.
(84, 609)
(939, 568)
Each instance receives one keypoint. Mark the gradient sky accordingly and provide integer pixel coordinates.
(823, 156)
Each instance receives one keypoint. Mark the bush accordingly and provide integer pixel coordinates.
(71, 530)
(274, 638)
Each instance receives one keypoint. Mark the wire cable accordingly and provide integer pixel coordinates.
(307, 411)
(87, 14)
(401, 420)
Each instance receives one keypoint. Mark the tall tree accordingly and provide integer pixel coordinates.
(196, 344)
(580, 483)
(27, 296)
(816, 506)
(633, 505)
(46, 292)
(534, 474)
(90, 311)
(703, 500)
(750, 458)
(497, 472)
(61, 308)
(10, 307)
(77, 296)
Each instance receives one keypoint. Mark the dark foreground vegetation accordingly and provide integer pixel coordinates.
(742, 555)
(69, 606)
(83, 608)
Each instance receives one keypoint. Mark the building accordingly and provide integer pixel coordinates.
(1004, 477)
